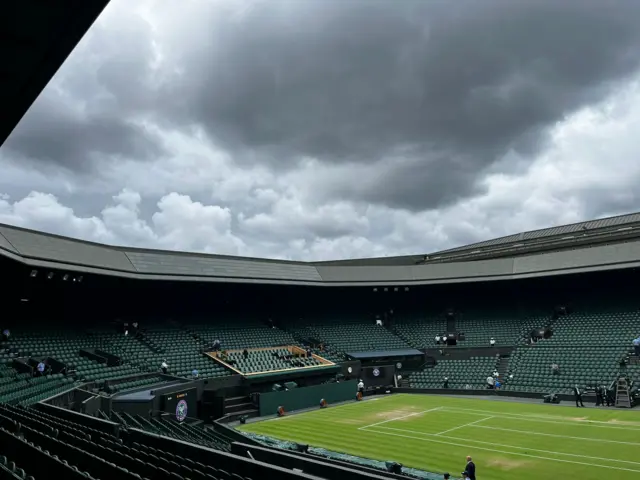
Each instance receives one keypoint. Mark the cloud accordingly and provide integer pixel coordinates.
(591, 171)
(301, 130)
(422, 99)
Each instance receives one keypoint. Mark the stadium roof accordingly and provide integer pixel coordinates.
(44, 252)
(580, 227)
(36, 36)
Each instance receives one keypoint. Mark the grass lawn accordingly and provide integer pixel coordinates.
(506, 440)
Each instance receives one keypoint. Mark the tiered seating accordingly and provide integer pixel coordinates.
(269, 360)
(65, 345)
(52, 447)
(506, 328)
(349, 335)
(182, 353)
(241, 334)
(193, 433)
(586, 345)
(420, 331)
(462, 374)
(125, 384)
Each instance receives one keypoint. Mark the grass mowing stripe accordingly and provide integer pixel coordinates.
(470, 424)
(506, 452)
(529, 432)
(493, 444)
(545, 419)
(550, 428)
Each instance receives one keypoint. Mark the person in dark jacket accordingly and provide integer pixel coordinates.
(578, 394)
(470, 469)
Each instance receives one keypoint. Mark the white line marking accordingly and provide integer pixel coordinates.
(467, 446)
(462, 426)
(529, 432)
(543, 419)
(400, 418)
(512, 446)
(298, 414)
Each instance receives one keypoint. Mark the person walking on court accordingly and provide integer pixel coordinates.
(470, 469)
(578, 394)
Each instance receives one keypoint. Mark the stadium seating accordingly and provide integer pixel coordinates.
(181, 351)
(462, 374)
(240, 334)
(49, 446)
(420, 331)
(271, 359)
(505, 327)
(347, 335)
(587, 346)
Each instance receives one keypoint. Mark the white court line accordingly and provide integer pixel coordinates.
(513, 446)
(474, 447)
(400, 418)
(297, 413)
(528, 432)
(462, 426)
(544, 419)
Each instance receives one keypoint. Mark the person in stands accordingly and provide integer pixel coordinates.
(164, 367)
(195, 373)
(438, 339)
(636, 346)
(490, 382)
(492, 342)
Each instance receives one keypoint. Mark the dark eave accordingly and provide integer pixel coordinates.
(36, 37)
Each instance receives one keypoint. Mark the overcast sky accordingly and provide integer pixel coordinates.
(322, 129)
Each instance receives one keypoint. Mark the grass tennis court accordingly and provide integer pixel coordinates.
(506, 440)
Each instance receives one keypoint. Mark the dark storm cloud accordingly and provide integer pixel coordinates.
(54, 134)
(89, 110)
(458, 85)
(453, 85)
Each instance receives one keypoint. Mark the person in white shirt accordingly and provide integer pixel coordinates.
(164, 366)
(361, 387)
(496, 374)
(492, 342)
(437, 339)
(490, 382)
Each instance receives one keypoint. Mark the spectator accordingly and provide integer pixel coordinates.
(5, 334)
(41, 368)
(492, 342)
(555, 369)
(164, 367)
(490, 382)
(245, 353)
(636, 346)
(195, 373)
(470, 470)
(438, 339)
(578, 396)
(216, 345)
(361, 387)
(446, 382)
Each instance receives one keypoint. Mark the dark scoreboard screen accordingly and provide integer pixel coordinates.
(181, 404)
(381, 376)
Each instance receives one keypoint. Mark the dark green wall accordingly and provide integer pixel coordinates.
(306, 397)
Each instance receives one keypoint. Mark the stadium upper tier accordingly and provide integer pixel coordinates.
(50, 254)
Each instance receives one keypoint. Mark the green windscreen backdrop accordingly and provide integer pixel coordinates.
(306, 397)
